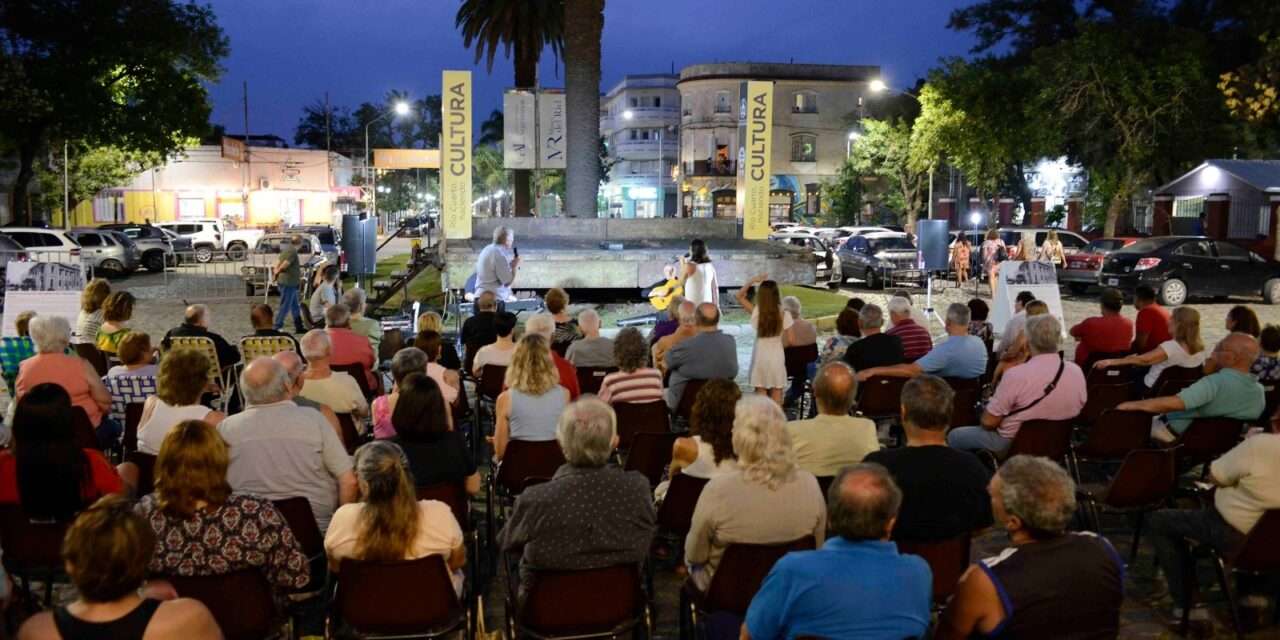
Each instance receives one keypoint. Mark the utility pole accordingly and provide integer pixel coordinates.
(66, 189)
(248, 171)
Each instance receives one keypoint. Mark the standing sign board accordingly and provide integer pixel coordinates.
(455, 165)
(1016, 276)
(756, 172)
(47, 288)
(551, 148)
(518, 135)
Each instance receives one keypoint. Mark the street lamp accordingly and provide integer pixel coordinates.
(848, 146)
(877, 85)
(400, 108)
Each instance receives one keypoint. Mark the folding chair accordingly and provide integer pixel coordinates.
(82, 430)
(1102, 398)
(675, 514)
(964, 407)
(455, 495)
(1097, 356)
(684, 409)
(523, 459)
(589, 378)
(351, 438)
(650, 454)
(947, 559)
(405, 598)
(13, 350)
(126, 390)
(738, 577)
(217, 377)
(824, 484)
(241, 602)
(132, 418)
(797, 361)
(1144, 483)
(880, 397)
(32, 549)
(617, 605)
(252, 347)
(1122, 374)
(1258, 554)
(640, 417)
(301, 519)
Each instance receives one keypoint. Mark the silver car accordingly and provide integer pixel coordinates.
(111, 252)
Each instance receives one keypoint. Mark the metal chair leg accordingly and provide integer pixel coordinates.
(1137, 535)
(1224, 579)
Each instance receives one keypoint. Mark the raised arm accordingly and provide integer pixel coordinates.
(741, 294)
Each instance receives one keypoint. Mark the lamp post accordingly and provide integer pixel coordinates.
(848, 146)
(878, 85)
(400, 108)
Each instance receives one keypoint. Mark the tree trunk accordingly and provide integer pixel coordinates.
(583, 25)
(1119, 203)
(26, 162)
(526, 65)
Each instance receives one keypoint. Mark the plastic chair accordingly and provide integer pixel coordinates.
(798, 359)
(90, 352)
(1144, 483)
(241, 602)
(640, 417)
(302, 522)
(32, 549)
(738, 577)
(1175, 379)
(412, 598)
(453, 494)
(523, 459)
(880, 397)
(675, 514)
(146, 464)
(263, 346)
(351, 438)
(650, 454)
(1103, 398)
(1096, 356)
(1122, 374)
(1258, 554)
(589, 378)
(1112, 437)
(616, 596)
(1205, 440)
(947, 559)
(964, 407)
(361, 374)
(1047, 438)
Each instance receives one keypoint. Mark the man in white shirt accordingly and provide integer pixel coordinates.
(498, 352)
(334, 389)
(497, 265)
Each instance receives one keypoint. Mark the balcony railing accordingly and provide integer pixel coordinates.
(705, 168)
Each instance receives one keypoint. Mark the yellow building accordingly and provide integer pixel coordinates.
(276, 186)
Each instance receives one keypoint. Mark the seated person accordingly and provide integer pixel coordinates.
(436, 454)
(945, 490)
(801, 333)
(478, 330)
(833, 439)
(431, 321)
(1046, 387)
(106, 553)
(263, 320)
(586, 494)
(1017, 351)
(52, 336)
(708, 449)
(137, 357)
(544, 324)
(13, 350)
(1050, 583)
(181, 382)
(89, 318)
(429, 342)
(635, 380)
(389, 523)
(117, 311)
(874, 349)
(915, 338)
(1015, 324)
(1106, 333)
(406, 362)
(1151, 327)
(708, 355)
(848, 331)
(566, 329)
(767, 500)
(961, 355)
(334, 389)
(371, 329)
(1267, 367)
(978, 324)
(498, 352)
(1229, 392)
(195, 324)
(1185, 349)
(687, 314)
(591, 350)
(808, 593)
(533, 400)
(349, 347)
(325, 294)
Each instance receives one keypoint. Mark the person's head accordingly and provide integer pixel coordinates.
(408, 361)
(978, 310)
(902, 293)
(486, 302)
(1020, 301)
(698, 251)
(847, 323)
(992, 235)
(265, 381)
(183, 375)
(927, 403)
(1184, 324)
(50, 467)
(1270, 339)
(769, 310)
(532, 370)
(899, 310)
(855, 304)
(118, 307)
(1111, 300)
(330, 273)
(1242, 319)
(389, 515)
(958, 317)
(107, 551)
(708, 316)
(191, 468)
(94, 294)
(1044, 334)
(1036, 308)
(687, 314)
(504, 324)
(430, 321)
(673, 308)
(1237, 351)
(296, 240)
(871, 319)
(542, 324)
(630, 350)
(1144, 296)
(711, 417)
(294, 367)
(337, 316)
(503, 235)
(50, 334)
(1032, 495)
(834, 389)
(261, 316)
(587, 432)
(589, 321)
(1052, 236)
(196, 315)
(761, 440)
(316, 347)
(863, 503)
(354, 298)
(791, 304)
(556, 300)
(420, 409)
(22, 324)
(429, 342)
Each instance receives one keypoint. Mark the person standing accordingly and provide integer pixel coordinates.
(497, 265)
(288, 274)
(994, 252)
(1052, 251)
(768, 360)
(960, 254)
(699, 275)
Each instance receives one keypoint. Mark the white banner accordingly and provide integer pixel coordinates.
(47, 288)
(551, 138)
(518, 143)
(1016, 276)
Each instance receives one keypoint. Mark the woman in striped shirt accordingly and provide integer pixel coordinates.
(635, 380)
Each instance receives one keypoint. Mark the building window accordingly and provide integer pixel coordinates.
(722, 102)
(1188, 207)
(635, 102)
(804, 147)
(657, 101)
(805, 102)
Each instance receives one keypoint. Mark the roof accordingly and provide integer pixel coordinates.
(1263, 175)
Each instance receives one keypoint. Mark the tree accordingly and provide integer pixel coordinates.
(124, 73)
(843, 194)
(491, 130)
(883, 150)
(583, 25)
(525, 27)
(333, 129)
(89, 170)
(969, 144)
(488, 176)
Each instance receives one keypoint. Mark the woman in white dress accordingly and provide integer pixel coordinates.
(699, 275)
(1186, 349)
(768, 362)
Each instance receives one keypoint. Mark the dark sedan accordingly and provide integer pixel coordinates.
(1182, 267)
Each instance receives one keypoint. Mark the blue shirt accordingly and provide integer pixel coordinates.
(956, 357)
(844, 590)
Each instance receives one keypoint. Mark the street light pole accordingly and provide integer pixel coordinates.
(371, 177)
(878, 85)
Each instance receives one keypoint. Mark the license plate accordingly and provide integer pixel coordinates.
(1112, 282)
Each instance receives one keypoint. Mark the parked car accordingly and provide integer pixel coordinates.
(208, 237)
(1081, 270)
(879, 258)
(828, 269)
(260, 262)
(330, 241)
(1182, 267)
(50, 245)
(107, 250)
(158, 246)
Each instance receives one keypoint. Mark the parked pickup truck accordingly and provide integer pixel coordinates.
(211, 236)
(266, 253)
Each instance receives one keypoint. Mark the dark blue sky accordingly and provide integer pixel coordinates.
(292, 51)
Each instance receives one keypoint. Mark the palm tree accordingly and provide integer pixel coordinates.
(488, 176)
(491, 130)
(525, 26)
(583, 24)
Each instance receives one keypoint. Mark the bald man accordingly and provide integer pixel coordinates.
(195, 324)
(262, 318)
(833, 439)
(710, 354)
(294, 365)
(1229, 392)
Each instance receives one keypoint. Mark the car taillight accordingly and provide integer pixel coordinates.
(1146, 263)
(75, 253)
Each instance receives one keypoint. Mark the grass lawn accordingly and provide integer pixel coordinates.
(815, 303)
(426, 284)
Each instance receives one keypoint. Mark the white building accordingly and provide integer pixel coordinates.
(639, 120)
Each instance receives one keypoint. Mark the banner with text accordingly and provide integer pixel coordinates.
(47, 288)
(455, 146)
(518, 143)
(551, 129)
(755, 174)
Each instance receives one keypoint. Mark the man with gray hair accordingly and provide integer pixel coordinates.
(195, 324)
(478, 330)
(591, 350)
(280, 450)
(295, 367)
(708, 355)
(1050, 583)
(355, 298)
(833, 439)
(1045, 387)
(591, 514)
(334, 389)
(349, 347)
(916, 340)
(808, 593)
(874, 349)
(959, 356)
(687, 316)
(544, 324)
(498, 264)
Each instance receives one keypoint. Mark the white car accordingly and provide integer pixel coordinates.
(56, 245)
(828, 269)
(211, 236)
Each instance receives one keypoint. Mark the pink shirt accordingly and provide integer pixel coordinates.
(66, 372)
(436, 372)
(350, 347)
(1025, 383)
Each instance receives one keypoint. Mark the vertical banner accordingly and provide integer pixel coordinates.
(518, 137)
(455, 165)
(551, 144)
(759, 132)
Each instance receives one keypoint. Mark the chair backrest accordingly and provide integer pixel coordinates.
(1095, 356)
(880, 396)
(615, 594)
(361, 374)
(1108, 375)
(589, 378)
(1175, 379)
(132, 418)
(1102, 398)
(528, 459)
(30, 546)
(1146, 478)
(15, 350)
(947, 559)
(397, 598)
(146, 464)
(650, 454)
(350, 436)
(640, 417)
(675, 514)
(453, 494)
(126, 390)
(302, 522)
(90, 352)
(1259, 552)
(241, 601)
(964, 407)
(203, 345)
(259, 346)
(742, 570)
(82, 430)
(1048, 438)
(798, 359)
(1206, 439)
(492, 378)
(684, 408)
(1115, 433)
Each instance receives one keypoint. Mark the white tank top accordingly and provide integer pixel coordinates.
(163, 419)
(700, 287)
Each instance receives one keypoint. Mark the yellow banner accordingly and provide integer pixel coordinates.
(759, 133)
(406, 158)
(455, 148)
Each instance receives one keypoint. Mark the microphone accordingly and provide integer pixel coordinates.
(515, 251)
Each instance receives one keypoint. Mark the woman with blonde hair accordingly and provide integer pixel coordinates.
(179, 385)
(1052, 250)
(117, 310)
(431, 321)
(768, 361)
(90, 317)
(1186, 349)
(390, 523)
(531, 405)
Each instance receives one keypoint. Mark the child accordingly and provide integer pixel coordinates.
(1267, 367)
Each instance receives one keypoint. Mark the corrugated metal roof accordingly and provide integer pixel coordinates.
(1263, 175)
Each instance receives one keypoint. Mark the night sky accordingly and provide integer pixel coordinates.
(292, 51)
